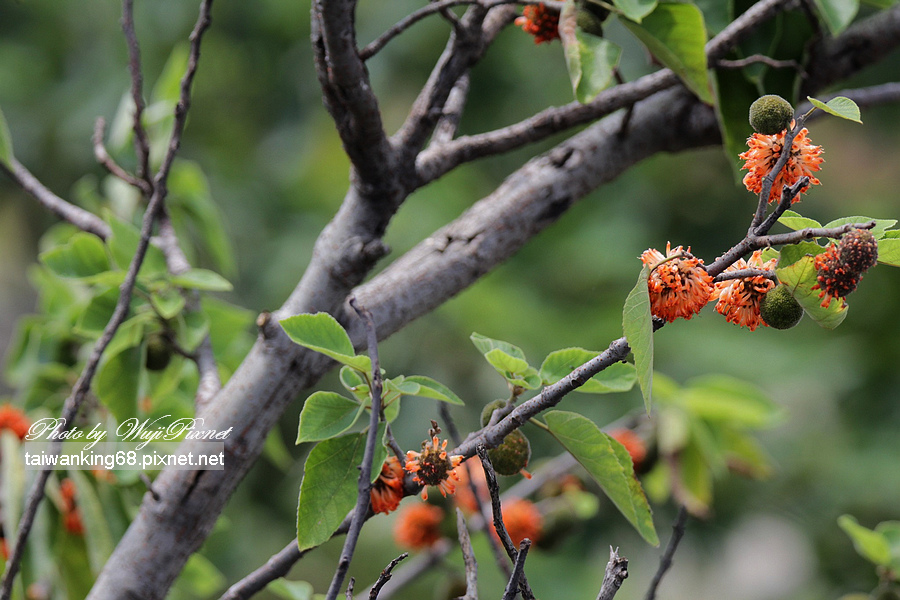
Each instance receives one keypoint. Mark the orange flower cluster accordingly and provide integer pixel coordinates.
(738, 299)
(15, 420)
(764, 153)
(633, 443)
(432, 466)
(680, 286)
(522, 520)
(70, 511)
(387, 491)
(418, 526)
(540, 22)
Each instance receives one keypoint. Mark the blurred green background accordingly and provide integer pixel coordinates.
(277, 171)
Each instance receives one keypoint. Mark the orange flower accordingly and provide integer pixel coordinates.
(523, 520)
(633, 443)
(72, 522)
(764, 152)
(418, 526)
(540, 22)
(465, 499)
(387, 491)
(738, 299)
(14, 419)
(70, 511)
(432, 466)
(835, 278)
(4, 548)
(679, 287)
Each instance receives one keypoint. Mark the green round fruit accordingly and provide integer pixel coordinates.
(779, 309)
(159, 352)
(489, 409)
(512, 455)
(771, 114)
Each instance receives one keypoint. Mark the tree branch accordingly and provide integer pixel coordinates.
(276, 567)
(141, 142)
(77, 216)
(518, 573)
(385, 576)
(665, 561)
(615, 574)
(111, 165)
(365, 469)
(471, 564)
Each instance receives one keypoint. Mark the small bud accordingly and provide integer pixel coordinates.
(771, 114)
(859, 250)
(779, 309)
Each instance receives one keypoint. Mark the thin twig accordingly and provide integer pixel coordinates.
(385, 576)
(413, 569)
(788, 193)
(742, 273)
(665, 560)
(364, 484)
(491, 478)
(755, 59)
(141, 141)
(77, 216)
(518, 571)
(375, 46)
(111, 165)
(616, 572)
(471, 564)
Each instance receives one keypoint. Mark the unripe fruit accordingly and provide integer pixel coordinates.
(779, 309)
(512, 455)
(159, 352)
(771, 114)
(489, 409)
(859, 250)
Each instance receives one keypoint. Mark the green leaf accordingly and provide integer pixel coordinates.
(168, 302)
(98, 312)
(794, 252)
(168, 85)
(202, 279)
(796, 221)
(638, 326)
(674, 430)
(82, 256)
(724, 398)
(199, 579)
(840, 106)
(429, 388)
(800, 277)
(675, 34)
(695, 488)
(321, 332)
(123, 244)
(354, 382)
(6, 149)
(325, 415)
(118, 381)
(734, 93)
(291, 590)
(505, 363)
(838, 14)
(890, 530)
(591, 60)
(609, 465)
(486, 344)
(619, 377)
(889, 252)
(881, 225)
(329, 487)
(871, 545)
(745, 455)
(635, 10)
